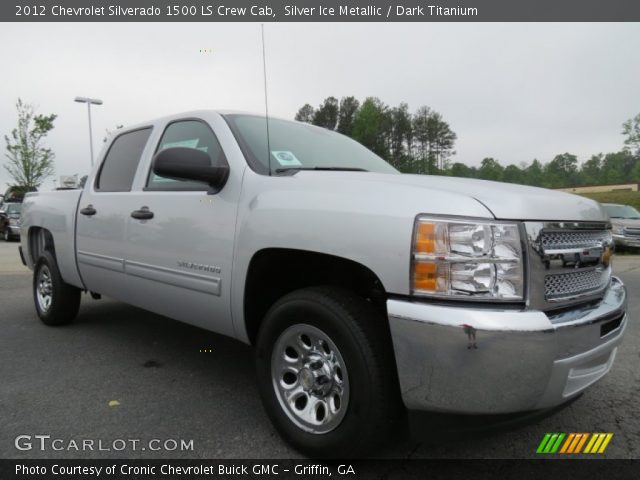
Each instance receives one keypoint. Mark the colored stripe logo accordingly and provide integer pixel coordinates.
(564, 443)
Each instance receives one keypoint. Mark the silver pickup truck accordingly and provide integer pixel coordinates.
(365, 292)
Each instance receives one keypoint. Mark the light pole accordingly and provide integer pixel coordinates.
(89, 101)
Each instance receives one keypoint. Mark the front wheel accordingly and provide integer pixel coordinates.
(326, 372)
(7, 235)
(56, 302)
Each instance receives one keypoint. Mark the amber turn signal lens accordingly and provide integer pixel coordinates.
(425, 238)
(425, 276)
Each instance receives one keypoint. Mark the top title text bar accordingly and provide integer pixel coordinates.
(320, 11)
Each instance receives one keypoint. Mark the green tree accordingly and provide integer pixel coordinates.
(433, 139)
(420, 128)
(631, 129)
(305, 114)
(562, 171)
(327, 114)
(534, 174)
(29, 161)
(401, 137)
(371, 126)
(348, 108)
(635, 174)
(490, 169)
(591, 170)
(442, 140)
(618, 167)
(461, 170)
(513, 174)
(419, 143)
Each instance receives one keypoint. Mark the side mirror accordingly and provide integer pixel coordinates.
(182, 163)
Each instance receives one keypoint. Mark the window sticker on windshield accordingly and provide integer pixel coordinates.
(286, 158)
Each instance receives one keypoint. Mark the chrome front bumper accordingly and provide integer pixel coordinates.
(483, 360)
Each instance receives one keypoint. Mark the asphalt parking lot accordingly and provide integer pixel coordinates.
(122, 373)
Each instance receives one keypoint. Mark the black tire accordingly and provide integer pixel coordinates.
(64, 299)
(6, 234)
(362, 339)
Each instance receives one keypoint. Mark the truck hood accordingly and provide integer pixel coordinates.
(503, 200)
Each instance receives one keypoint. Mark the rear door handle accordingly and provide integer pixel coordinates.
(88, 210)
(143, 214)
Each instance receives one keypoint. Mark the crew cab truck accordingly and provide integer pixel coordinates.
(364, 291)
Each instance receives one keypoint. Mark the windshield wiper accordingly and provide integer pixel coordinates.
(330, 169)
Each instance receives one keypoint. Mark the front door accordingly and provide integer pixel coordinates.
(180, 238)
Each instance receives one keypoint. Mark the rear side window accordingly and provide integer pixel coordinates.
(187, 134)
(121, 163)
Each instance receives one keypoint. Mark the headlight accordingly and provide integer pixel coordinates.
(617, 229)
(14, 221)
(467, 259)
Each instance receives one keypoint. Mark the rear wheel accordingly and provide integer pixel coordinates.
(326, 372)
(56, 302)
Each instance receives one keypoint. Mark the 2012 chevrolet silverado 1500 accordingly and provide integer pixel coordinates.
(360, 288)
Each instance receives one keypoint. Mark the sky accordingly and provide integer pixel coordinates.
(512, 91)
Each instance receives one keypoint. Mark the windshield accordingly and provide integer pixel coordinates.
(12, 208)
(622, 211)
(296, 146)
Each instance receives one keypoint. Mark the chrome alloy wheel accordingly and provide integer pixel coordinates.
(44, 289)
(310, 379)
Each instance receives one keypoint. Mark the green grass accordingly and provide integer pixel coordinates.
(625, 198)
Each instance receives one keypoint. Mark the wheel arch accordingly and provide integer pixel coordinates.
(274, 272)
(39, 240)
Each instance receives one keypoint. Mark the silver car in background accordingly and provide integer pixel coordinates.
(625, 224)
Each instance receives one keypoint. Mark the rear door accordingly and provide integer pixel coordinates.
(103, 213)
(179, 258)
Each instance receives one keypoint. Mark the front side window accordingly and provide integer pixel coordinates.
(120, 164)
(187, 134)
(294, 145)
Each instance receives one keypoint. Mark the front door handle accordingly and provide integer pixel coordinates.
(143, 214)
(88, 210)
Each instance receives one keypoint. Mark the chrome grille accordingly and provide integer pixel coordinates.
(568, 262)
(569, 284)
(634, 232)
(571, 240)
